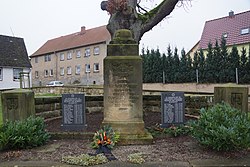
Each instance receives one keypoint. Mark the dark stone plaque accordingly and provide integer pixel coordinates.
(172, 108)
(73, 112)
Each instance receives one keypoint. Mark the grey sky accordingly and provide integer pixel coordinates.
(40, 20)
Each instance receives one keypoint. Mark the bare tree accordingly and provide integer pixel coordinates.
(128, 14)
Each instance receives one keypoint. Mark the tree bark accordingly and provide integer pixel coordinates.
(128, 18)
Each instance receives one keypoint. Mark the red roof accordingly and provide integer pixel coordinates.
(79, 39)
(231, 25)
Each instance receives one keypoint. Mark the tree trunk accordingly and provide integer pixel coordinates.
(128, 18)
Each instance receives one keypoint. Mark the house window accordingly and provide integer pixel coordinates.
(46, 73)
(36, 59)
(87, 67)
(51, 72)
(78, 69)
(36, 74)
(96, 50)
(78, 54)
(87, 52)
(69, 70)
(1, 74)
(244, 31)
(61, 56)
(69, 55)
(47, 58)
(61, 71)
(16, 73)
(96, 67)
(224, 35)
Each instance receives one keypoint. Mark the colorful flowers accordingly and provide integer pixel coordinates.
(105, 137)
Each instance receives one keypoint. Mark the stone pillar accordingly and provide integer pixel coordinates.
(123, 90)
(235, 95)
(17, 104)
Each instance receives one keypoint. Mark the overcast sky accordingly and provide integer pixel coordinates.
(40, 20)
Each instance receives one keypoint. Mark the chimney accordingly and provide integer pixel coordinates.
(83, 30)
(231, 14)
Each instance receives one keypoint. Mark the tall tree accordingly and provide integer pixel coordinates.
(217, 62)
(223, 60)
(209, 67)
(234, 61)
(170, 66)
(128, 14)
(202, 63)
(176, 66)
(243, 71)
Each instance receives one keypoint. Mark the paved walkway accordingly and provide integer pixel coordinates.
(192, 163)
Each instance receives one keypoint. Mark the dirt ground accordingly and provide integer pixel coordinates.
(167, 148)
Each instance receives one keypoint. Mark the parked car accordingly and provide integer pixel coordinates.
(55, 83)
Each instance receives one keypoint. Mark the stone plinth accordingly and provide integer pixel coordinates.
(123, 90)
(17, 104)
(235, 95)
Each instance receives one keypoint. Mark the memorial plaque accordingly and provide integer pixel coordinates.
(73, 112)
(172, 108)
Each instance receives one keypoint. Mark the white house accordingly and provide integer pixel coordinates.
(13, 60)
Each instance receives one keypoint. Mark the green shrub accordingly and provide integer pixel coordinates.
(136, 158)
(173, 130)
(23, 134)
(222, 128)
(85, 160)
(178, 130)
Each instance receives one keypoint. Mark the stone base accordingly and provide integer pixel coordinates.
(131, 133)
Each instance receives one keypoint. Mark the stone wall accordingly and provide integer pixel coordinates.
(68, 89)
(49, 107)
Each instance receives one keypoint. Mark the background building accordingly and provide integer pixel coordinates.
(235, 28)
(73, 59)
(13, 60)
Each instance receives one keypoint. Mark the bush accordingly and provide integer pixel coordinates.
(85, 160)
(222, 128)
(173, 130)
(178, 130)
(28, 133)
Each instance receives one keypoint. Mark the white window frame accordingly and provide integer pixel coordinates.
(62, 57)
(87, 68)
(51, 72)
(46, 73)
(47, 58)
(244, 31)
(1, 74)
(36, 74)
(87, 52)
(96, 50)
(96, 67)
(16, 73)
(62, 71)
(69, 71)
(78, 69)
(69, 55)
(78, 53)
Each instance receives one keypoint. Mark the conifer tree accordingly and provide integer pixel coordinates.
(176, 66)
(243, 71)
(233, 64)
(223, 60)
(201, 65)
(170, 68)
(209, 70)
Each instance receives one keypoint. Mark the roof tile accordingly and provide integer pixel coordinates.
(79, 39)
(231, 25)
(13, 52)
